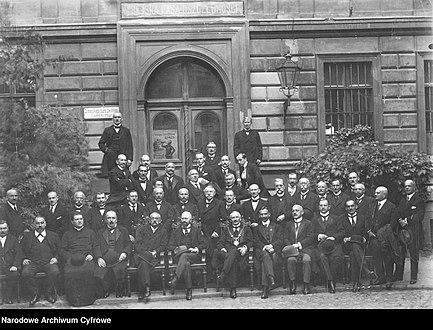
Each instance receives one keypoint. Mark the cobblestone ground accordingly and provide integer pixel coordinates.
(394, 299)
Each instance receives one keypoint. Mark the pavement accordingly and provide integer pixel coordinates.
(425, 282)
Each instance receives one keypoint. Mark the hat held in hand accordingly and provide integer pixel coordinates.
(405, 236)
(111, 258)
(327, 246)
(179, 250)
(290, 251)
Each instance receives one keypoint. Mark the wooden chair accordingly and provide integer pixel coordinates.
(160, 267)
(197, 266)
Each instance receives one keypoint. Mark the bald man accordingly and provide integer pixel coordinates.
(12, 212)
(115, 140)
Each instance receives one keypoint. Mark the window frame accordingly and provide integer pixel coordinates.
(376, 89)
(420, 85)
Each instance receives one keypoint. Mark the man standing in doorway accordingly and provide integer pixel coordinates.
(115, 140)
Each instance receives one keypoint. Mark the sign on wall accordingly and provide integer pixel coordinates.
(133, 10)
(100, 112)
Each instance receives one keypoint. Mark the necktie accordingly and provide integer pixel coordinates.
(325, 218)
(236, 232)
(303, 196)
(408, 198)
(15, 208)
(52, 209)
(352, 220)
(186, 231)
(296, 229)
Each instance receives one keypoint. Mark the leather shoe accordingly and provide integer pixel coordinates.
(52, 298)
(265, 292)
(106, 294)
(356, 287)
(147, 291)
(173, 282)
(34, 300)
(306, 289)
(271, 281)
(292, 287)
(412, 282)
(331, 287)
(188, 294)
(140, 296)
(233, 293)
(9, 301)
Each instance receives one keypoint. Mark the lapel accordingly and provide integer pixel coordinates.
(210, 207)
(174, 181)
(301, 227)
(262, 230)
(8, 243)
(105, 234)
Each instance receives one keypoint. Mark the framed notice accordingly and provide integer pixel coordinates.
(165, 144)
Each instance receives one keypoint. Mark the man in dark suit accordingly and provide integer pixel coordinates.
(322, 190)
(250, 174)
(40, 254)
(151, 240)
(221, 170)
(205, 171)
(236, 240)
(251, 207)
(194, 187)
(328, 231)
(184, 205)
(355, 237)
(121, 181)
(307, 199)
(151, 173)
(292, 187)
(240, 192)
(248, 141)
(365, 204)
(115, 140)
(210, 213)
(268, 239)
(112, 251)
(132, 215)
(384, 246)
(95, 215)
(12, 212)
(143, 185)
(161, 206)
(229, 205)
(337, 200)
(55, 214)
(280, 204)
(211, 154)
(78, 205)
(299, 234)
(191, 239)
(10, 261)
(172, 183)
(410, 213)
(352, 180)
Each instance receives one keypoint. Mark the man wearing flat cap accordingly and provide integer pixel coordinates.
(150, 241)
(113, 248)
(186, 242)
(328, 234)
(355, 237)
(77, 250)
(299, 235)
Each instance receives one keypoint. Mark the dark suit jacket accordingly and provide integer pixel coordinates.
(337, 206)
(105, 142)
(261, 239)
(386, 215)
(120, 183)
(197, 239)
(179, 208)
(153, 175)
(228, 211)
(310, 204)
(220, 176)
(305, 235)
(210, 216)
(146, 240)
(366, 206)
(130, 219)
(166, 212)
(360, 228)
(206, 172)
(240, 193)
(13, 254)
(250, 145)
(245, 238)
(123, 243)
(13, 218)
(254, 175)
(52, 239)
(413, 210)
(249, 213)
(279, 206)
(195, 194)
(69, 246)
(95, 219)
(144, 195)
(333, 228)
(212, 161)
(58, 221)
(172, 195)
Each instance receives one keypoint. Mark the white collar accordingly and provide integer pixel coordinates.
(79, 229)
(297, 221)
(266, 224)
(411, 195)
(12, 206)
(44, 233)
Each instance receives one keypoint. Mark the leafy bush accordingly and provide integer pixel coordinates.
(354, 150)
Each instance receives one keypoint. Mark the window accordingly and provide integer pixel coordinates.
(428, 94)
(349, 94)
(8, 94)
(424, 66)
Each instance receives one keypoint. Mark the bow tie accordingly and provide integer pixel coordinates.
(255, 200)
(143, 180)
(40, 234)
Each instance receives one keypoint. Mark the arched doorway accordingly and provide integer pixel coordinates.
(185, 109)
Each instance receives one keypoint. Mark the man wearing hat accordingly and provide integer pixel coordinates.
(10, 261)
(77, 250)
(268, 239)
(298, 246)
(186, 242)
(113, 248)
(355, 236)
(410, 213)
(328, 233)
(233, 247)
(150, 241)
